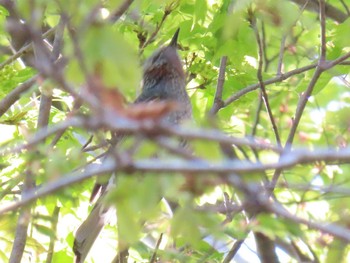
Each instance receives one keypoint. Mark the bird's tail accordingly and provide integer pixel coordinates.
(89, 230)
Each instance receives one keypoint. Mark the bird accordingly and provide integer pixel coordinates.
(163, 80)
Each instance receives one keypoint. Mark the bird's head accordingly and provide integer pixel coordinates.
(165, 60)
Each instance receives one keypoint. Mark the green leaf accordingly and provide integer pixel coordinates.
(340, 38)
(189, 231)
(106, 52)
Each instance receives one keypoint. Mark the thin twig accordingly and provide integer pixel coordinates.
(115, 16)
(332, 229)
(338, 61)
(25, 49)
(273, 80)
(42, 134)
(86, 144)
(257, 115)
(51, 187)
(283, 40)
(175, 149)
(154, 255)
(323, 31)
(22, 221)
(46, 95)
(319, 69)
(263, 44)
(15, 94)
(95, 147)
(345, 7)
(20, 236)
(277, 79)
(58, 41)
(233, 251)
(53, 238)
(167, 11)
(218, 103)
(44, 109)
(280, 56)
(262, 85)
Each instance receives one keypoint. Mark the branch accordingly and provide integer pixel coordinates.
(332, 189)
(338, 61)
(282, 77)
(25, 49)
(51, 187)
(322, 14)
(233, 251)
(257, 115)
(332, 229)
(116, 123)
(330, 11)
(53, 237)
(321, 66)
(114, 17)
(15, 94)
(22, 221)
(319, 69)
(262, 202)
(58, 41)
(46, 94)
(218, 103)
(44, 109)
(345, 7)
(262, 86)
(154, 255)
(41, 135)
(167, 11)
(30, 179)
(198, 167)
(281, 54)
(276, 79)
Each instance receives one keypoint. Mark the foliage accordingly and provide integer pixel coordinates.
(282, 68)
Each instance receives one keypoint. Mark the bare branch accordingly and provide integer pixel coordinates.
(122, 125)
(51, 249)
(114, 17)
(322, 13)
(25, 49)
(51, 187)
(261, 83)
(332, 229)
(331, 11)
(200, 167)
(154, 255)
(257, 115)
(345, 7)
(282, 77)
(338, 61)
(305, 96)
(41, 135)
(276, 79)
(280, 56)
(15, 94)
(233, 251)
(167, 11)
(301, 106)
(218, 103)
(22, 222)
(44, 110)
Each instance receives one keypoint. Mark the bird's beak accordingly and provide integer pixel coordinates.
(173, 42)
